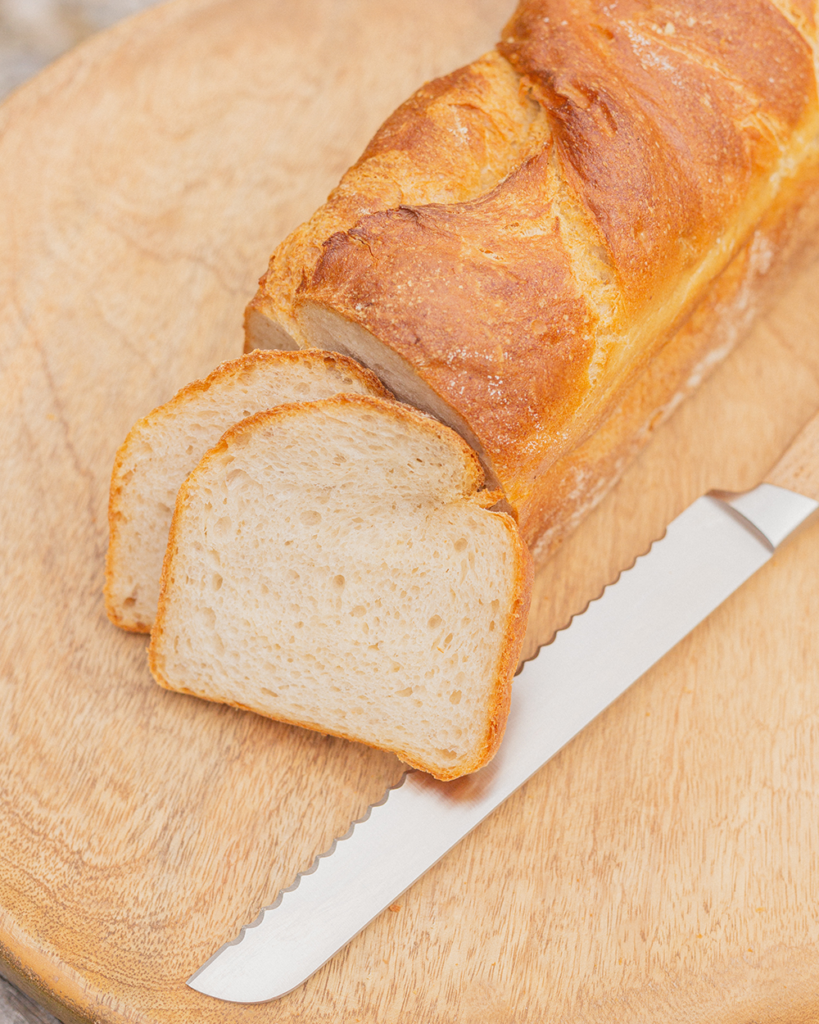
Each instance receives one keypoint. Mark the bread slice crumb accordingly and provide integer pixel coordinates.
(331, 565)
(166, 445)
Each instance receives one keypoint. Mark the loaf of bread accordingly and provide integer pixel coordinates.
(549, 248)
(163, 447)
(332, 564)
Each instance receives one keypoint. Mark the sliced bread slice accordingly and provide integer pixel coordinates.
(164, 447)
(334, 565)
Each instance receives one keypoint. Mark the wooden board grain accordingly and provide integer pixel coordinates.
(662, 867)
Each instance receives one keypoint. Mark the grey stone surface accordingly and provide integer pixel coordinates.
(35, 32)
(15, 1008)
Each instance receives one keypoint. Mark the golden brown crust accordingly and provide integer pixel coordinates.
(455, 139)
(521, 582)
(479, 298)
(664, 116)
(660, 156)
(786, 238)
(658, 138)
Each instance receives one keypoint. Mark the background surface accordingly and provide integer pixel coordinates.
(32, 34)
(662, 868)
(35, 32)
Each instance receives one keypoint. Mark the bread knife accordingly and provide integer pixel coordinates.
(707, 552)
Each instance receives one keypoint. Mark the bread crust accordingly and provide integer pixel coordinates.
(785, 240)
(497, 707)
(230, 369)
(451, 141)
(659, 142)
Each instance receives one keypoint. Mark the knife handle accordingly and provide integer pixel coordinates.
(798, 469)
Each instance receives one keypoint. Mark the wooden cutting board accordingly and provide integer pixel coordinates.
(663, 867)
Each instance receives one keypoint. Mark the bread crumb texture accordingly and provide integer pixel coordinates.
(166, 445)
(330, 565)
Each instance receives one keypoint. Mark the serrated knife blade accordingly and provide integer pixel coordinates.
(707, 553)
